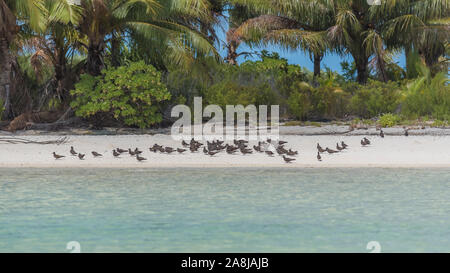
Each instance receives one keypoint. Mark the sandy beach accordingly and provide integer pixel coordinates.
(391, 151)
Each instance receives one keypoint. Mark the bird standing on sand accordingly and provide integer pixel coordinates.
(140, 158)
(212, 153)
(339, 148)
(319, 157)
(181, 150)
(367, 141)
(269, 153)
(81, 156)
(57, 156)
(344, 145)
(131, 152)
(184, 143)
(169, 150)
(136, 151)
(245, 151)
(115, 153)
(287, 159)
(406, 132)
(330, 151)
(72, 151)
(95, 154)
(381, 133)
(363, 143)
(320, 149)
(121, 151)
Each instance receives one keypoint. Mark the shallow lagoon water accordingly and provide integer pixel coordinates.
(225, 210)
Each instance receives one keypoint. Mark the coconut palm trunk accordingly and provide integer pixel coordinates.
(317, 59)
(8, 31)
(362, 69)
(95, 62)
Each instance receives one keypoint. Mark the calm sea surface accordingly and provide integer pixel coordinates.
(224, 210)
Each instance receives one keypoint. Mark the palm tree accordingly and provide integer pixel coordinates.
(420, 26)
(163, 20)
(12, 12)
(354, 27)
(292, 24)
(55, 45)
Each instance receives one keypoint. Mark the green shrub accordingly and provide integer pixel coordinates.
(389, 120)
(428, 95)
(299, 105)
(439, 123)
(129, 94)
(374, 99)
(324, 102)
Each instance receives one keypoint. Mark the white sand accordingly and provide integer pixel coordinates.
(392, 151)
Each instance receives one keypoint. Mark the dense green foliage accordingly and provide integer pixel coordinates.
(130, 94)
(388, 120)
(129, 62)
(428, 96)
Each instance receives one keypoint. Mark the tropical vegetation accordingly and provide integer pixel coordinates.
(127, 62)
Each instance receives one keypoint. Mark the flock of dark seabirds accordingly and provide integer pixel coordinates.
(217, 146)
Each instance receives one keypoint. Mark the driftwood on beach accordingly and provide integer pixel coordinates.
(17, 140)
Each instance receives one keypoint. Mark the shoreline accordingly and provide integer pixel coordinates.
(298, 130)
(389, 152)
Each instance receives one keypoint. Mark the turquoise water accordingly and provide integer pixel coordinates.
(224, 210)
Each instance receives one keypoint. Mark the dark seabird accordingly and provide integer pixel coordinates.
(57, 156)
(184, 143)
(212, 153)
(257, 148)
(81, 156)
(366, 141)
(291, 153)
(181, 150)
(287, 159)
(136, 151)
(121, 151)
(246, 151)
(294, 152)
(131, 152)
(205, 151)
(115, 153)
(72, 151)
(193, 149)
(282, 142)
(344, 145)
(381, 133)
(169, 150)
(320, 149)
(330, 151)
(140, 158)
(363, 142)
(95, 154)
(270, 153)
(406, 132)
(339, 148)
(319, 157)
